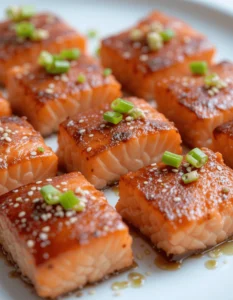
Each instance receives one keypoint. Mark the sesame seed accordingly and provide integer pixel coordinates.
(81, 121)
(49, 91)
(128, 118)
(49, 179)
(175, 171)
(43, 236)
(8, 139)
(1, 160)
(16, 204)
(154, 164)
(89, 149)
(177, 199)
(21, 214)
(63, 183)
(82, 130)
(30, 193)
(146, 182)
(143, 57)
(38, 182)
(51, 85)
(46, 229)
(219, 168)
(30, 243)
(91, 135)
(33, 153)
(102, 125)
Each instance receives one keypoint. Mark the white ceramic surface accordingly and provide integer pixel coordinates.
(193, 281)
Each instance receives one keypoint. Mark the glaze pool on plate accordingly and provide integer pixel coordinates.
(192, 281)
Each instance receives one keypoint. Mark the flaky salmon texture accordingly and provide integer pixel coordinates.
(60, 250)
(138, 67)
(180, 219)
(103, 151)
(193, 108)
(24, 156)
(47, 99)
(5, 109)
(16, 51)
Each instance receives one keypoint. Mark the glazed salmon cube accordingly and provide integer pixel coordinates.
(180, 219)
(47, 99)
(138, 67)
(5, 109)
(24, 157)
(61, 250)
(223, 141)
(15, 51)
(103, 152)
(194, 109)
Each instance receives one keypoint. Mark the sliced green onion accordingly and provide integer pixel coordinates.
(92, 33)
(17, 13)
(58, 67)
(172, 159)
(154, 40)
(113, 117)
(212, 80)
(24, 29)
(167, 34)
(50, 194)
(107, 72)
(196, 158)
(81, 78)
(40, 34)
(45, 59)
(40, 149)
(97, 51)
(190, 177)
(69, 201)
(198, 67)
(70, 54)
(121, 105)
(136, 35)
(136, 113)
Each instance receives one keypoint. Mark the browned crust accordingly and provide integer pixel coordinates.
(35, 81)
(10, 45)
(175, 51)
(190, 92)
(198, 200)
(97, 220)
(226, 128)
(106, 135)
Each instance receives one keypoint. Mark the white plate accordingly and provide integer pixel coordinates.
(193, 281)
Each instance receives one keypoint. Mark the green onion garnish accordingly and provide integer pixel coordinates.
(121, 105)
(50, 194)
(198, 67)
(39, 34)
(196, 158)
(92, 33)
(97, 51)
(17, 13)
(45, 59)
(212, 80)
(58, 67)
(81, 78)
(70, 54)
(172, 159)
(113, 117)
(107, 72)
(24, 29)
(190, 177)
(40, 149)
(136, 113)
(154, 40)
(167, 34)
(69, 201)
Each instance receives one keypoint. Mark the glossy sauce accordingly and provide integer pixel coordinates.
(226, 249)
(164, 264)
(136, 279)
(119, 285)
(211, 264)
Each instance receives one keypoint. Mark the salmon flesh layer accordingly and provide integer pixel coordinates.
(24, 157)
(15, 51)
(180, 219)
(138, 68)
(59, 250)
(103, 151)
(223, 142)
(187, 102)
(5, 109)
(47, 99)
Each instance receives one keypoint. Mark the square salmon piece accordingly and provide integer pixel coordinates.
(24, 156)
(5, 109)
(17, 51)
(103, 152)
(156, 47)
(223, 141)
(180, 219)
(60, 250)
(48, 99)
(196, 109)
